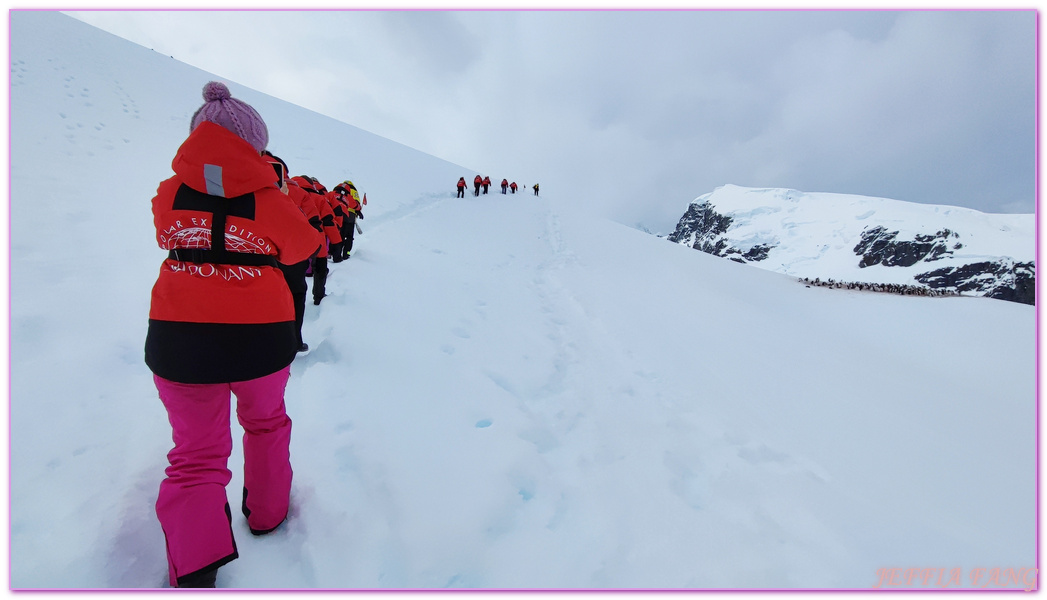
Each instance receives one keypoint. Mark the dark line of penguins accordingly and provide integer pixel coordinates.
(902, 289)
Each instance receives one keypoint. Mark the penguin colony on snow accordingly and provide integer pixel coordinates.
(888, 288)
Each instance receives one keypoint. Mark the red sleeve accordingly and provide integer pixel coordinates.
(295, 239)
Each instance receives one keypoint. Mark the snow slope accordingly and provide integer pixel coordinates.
(502, 392)
(815, 234)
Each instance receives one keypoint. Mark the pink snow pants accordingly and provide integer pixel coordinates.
(192, 506)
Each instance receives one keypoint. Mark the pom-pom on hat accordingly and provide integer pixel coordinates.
(235, 115)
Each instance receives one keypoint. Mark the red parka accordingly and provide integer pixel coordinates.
(305, 204)
(223, 313)
(348, 197)
(323, 208)
(338, 205)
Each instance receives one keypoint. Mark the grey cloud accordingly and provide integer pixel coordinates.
(929, 106)
(438, 42)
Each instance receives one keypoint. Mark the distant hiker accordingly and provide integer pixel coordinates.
(536, 189)
(461, 187)
(221, 322)
(512, 187)
(477, 182)
(505, 185)
(487, 183)
(295, 274)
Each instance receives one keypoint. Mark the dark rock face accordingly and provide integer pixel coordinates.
(880, 247)
(701, 227)
(1004, 279)
(757, 252)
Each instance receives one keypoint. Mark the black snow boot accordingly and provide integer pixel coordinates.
(204, 578)
(261, 532)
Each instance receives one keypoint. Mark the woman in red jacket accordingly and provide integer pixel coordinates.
(222, 321)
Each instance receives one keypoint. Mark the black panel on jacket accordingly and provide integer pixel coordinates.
(218, 352)
(186, 198)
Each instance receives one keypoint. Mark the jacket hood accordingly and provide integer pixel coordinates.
(216, 161)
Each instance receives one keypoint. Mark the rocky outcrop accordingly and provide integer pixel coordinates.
(702, 228)
(1003, 279)
(880, 247)
(699, 227)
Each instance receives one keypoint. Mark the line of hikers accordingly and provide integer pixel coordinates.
(225, 318)
(333, 213)
(484, 183)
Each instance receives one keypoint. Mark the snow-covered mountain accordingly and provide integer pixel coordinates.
(850, 238)
(502, 392)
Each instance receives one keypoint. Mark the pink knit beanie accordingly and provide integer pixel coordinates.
(237, 116)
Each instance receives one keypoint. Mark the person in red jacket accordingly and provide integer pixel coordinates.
(296, 274)
(304, 203)
(330, 229)
(346, 196)
(486, 183)
(337, 199)
(354, 212)
(477, 182)
(461, 187)
(505, 185)
(512, 187)
(221, 322)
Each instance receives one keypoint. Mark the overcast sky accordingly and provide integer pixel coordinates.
(639, 112)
